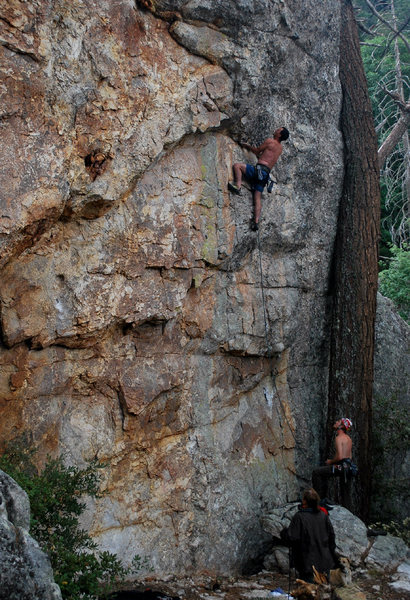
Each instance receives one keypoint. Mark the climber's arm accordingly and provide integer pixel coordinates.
(257, 150)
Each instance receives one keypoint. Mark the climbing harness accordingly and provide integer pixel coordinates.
(269, 187)
(345, 468)
(262, 173)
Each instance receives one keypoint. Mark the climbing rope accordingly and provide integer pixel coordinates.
(268, 350)
(268, 347)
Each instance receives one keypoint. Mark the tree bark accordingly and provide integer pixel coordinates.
(355, 266)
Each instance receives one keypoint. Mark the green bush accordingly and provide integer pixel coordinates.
(395, 281)
(56, 497)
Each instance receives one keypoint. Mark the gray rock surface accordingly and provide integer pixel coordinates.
(278, 518)
(277, 560)
(387, 552)
(14, 502)
(401, 581)
(25, 572)
(392, 369)
(351, 534)
(391, 407)
(383, 553)
(132, 317)
(133, 325)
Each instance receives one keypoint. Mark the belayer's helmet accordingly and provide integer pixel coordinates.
(347, 424)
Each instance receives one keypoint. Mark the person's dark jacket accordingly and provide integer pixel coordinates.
(312, 539)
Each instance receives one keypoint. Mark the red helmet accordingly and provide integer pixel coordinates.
(347, 424)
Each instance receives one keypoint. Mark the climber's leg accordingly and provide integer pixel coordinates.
(257, 205)
(320, 478)
(239, 169)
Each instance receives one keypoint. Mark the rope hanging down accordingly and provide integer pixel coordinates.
(268, 347)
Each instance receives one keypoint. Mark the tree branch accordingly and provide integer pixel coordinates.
(371, 45)
(383, 20)
(401, 103)
(394, 136)
(364, 28)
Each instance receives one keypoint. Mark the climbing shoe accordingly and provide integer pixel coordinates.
(232, 188)
(254, 225)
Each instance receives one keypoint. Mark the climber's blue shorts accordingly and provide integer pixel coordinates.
(257, 176)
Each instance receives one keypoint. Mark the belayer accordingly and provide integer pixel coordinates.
(341, 464)
(258, 176)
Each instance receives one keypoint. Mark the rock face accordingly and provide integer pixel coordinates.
(402, 578)
(387, 553)
(391, 408)
(137, 308)
(26, 572)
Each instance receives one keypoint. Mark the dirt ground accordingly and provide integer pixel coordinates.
(375, 586)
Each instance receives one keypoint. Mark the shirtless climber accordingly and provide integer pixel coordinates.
(341, 463)
(267, 153)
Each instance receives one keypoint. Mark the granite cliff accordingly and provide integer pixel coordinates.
(139, 313)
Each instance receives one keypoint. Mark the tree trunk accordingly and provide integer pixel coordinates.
(355, 266)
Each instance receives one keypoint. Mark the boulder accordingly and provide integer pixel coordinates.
(14, 502)
(278, 519)
(386, 553)
(351, 534)
(132, 323)
(278, 560)
(401, 578)
(26, 572)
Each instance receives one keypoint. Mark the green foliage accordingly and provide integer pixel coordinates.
(395, 281)
(56, 497)
(383, 7)
(379, 64)
(381, 59)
